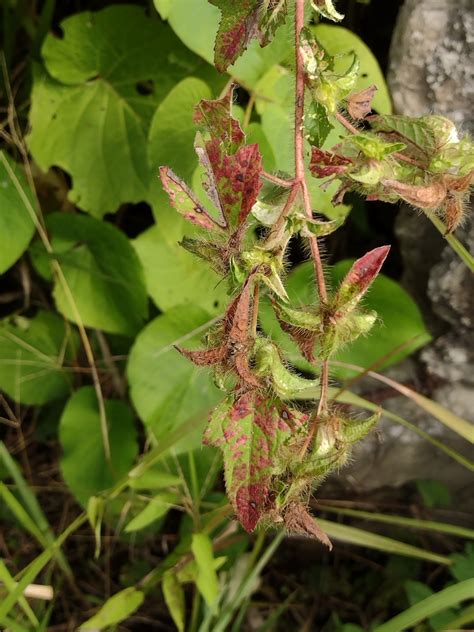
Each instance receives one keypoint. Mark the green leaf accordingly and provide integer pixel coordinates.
(105, 284)
(17, 214)
(155, 478)
(338, 40)
(33, 355)
(463, 563)
(166, 388)
(174, 276)
(317, 125)
(163, 7)
(434, 493)
(172, 129)
(446, 598)
(402, 521)
(92, 107)
(157, 507)
(83, 463)
(206, 579)
(116, 609)
(174, 598)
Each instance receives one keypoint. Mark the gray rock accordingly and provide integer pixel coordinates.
(431, 71)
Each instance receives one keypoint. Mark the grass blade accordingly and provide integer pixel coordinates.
(446, 598)
(401, 521)
(29, 574)
(454, 242)
(353, 535)
(452, 421)
(351, 398)
(10, 584)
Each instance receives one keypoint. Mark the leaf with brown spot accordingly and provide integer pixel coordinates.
(242, 21)
(185, 202)
(359, 104)
(215, 116)
(324, 163)
(250, 431)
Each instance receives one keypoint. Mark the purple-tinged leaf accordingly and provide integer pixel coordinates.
(185, 202)
(238, 26)
(324, 163)
(360, 277)
(215, 116)
(231, 349)
(235, 180)
(243, 20)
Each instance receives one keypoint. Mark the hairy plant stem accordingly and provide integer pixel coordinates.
(300, 181)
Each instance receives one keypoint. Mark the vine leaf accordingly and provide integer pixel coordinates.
(240, 23)
(250, 430)
(92, 104)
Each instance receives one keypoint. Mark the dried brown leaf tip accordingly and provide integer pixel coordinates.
(359, 104)
(299, 521)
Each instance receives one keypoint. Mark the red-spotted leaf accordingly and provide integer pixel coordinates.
(242, 21)
(324, 163)
(215, 117)
(185, 202)
(360, 277)
(233, 180)
(250, 430)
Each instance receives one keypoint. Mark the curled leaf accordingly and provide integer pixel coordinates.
(425, 196)
(285, 383)
(359, 104)
(327, 9)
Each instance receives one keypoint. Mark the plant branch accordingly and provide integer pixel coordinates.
(300, 178)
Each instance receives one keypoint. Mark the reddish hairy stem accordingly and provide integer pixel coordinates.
(300, 178)
(287, 184)
(256, 299)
